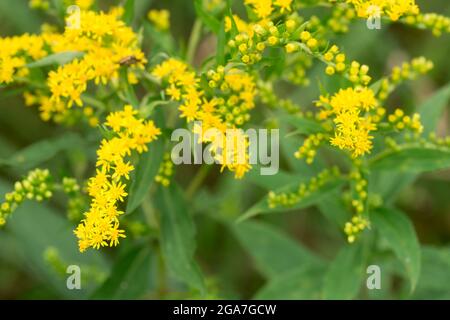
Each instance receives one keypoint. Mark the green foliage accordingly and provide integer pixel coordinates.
(144, 176)
(345, 274)
(131, 276)
(398, 232)
(207, 234)
(274, 253)
(177, 237)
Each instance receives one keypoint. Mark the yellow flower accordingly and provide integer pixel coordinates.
(227, 108)
(262, 8)
(285, 5)
(160, 18)
(122, 169)
(107, 188)
(352, 128)
(394, 9)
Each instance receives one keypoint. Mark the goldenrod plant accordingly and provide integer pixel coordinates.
(135, 133)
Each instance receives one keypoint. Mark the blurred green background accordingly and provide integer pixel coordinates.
(26, 267)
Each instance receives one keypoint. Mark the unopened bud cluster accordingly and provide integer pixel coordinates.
(165, 171)
(36, 186)
(309, 148)
(437, 23)
(304, 190)
(407, 71)
(357, 73)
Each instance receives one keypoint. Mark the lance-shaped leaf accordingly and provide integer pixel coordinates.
(396, 228)
(57, 58)
(178, 237)
(130, 277)
(146, 170)
(389, 184)
(345, 274)
(431, 110)
(42, 151)
(412, 159)
(208, 19)
(301, 283)
(302, 124)
(273, 251)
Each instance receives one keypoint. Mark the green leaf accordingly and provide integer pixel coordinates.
(234, 28)
(302, 283)
(128, 89)
(19, 17)
(389, 185)
(131, 276)
(161, 41)
(396, 228)
(431, 110)
(274, 252)
(262, 207)
(128, 14)
(57, 58)
(208, 19)
(146, 110)
(412, 159)
(42, 151)
(33, 229)
(376, 86)
(434, 276)
(278, 180)
(345, 274)
(221, 44)
(334, 209)
(303, 125)
(178, 237)
(146, 170)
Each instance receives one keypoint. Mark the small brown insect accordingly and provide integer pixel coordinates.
(129, 60)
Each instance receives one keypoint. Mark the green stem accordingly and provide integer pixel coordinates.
(128, 89)
(194, 39)
(197, 181)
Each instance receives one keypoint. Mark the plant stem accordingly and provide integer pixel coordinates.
(197, 181)
(194, 39)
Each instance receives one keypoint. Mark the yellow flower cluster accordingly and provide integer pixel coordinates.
(224, 105)
(264, 8)
(348, 108)
(83, 4)
(107, 189)
(39, 4)
(45, 4)
(106, 41)
(103, 40)
(160, 19)
(16, 52)
(394, 9)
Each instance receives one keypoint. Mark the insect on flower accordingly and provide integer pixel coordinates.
(129, 61)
